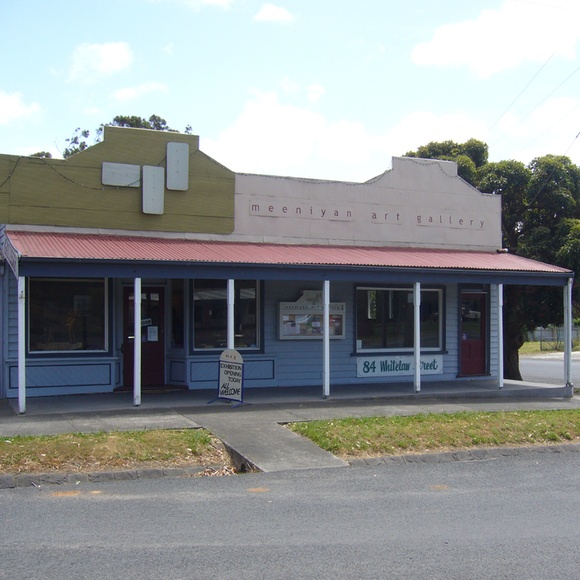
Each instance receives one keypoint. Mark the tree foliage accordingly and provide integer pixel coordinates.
(553, 192)
(78, 142)
(80, 139)
(540, 220)
(509, 179)
(469, 156)
(568, 254)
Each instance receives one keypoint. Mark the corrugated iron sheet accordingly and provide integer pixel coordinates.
(67, 246)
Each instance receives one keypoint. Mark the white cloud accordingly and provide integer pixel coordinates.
(12, 108)
(92, 62)
(315, 92)
(272, 13)
(349, 143)
(133, 93)
(276, 138)
(502, 39)
(268, 137)
(551, 128)
(289, 86)
(421, 127)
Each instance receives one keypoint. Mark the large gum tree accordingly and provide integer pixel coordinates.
(540, 220)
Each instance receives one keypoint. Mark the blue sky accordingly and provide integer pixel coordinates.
(311, 88)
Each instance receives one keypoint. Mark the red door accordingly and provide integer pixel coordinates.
(473, 334)
(152, 336)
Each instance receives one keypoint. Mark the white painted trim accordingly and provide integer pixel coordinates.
(326, 338)
(231, 315)
(499, 335)
(568, 332)
(417, 335)
(137, 342)
(21, 344)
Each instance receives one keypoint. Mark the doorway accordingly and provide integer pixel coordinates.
(152, 336)
(473, 329)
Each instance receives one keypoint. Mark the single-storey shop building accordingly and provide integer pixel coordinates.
(136, 262)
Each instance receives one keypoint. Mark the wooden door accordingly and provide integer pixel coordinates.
(473, 333)
(152, 336)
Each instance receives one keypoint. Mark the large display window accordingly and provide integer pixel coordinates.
(385, 319)
(210, 314)
(67, 314)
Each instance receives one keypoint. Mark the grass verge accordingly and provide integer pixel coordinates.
(380, 436)
(76, 452)
(347, 438)
(532, 348)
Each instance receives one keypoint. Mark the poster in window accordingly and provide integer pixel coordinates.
(303, 320)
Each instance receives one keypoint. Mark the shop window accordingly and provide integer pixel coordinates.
(67, 314)
(210, 314)
(385, 319)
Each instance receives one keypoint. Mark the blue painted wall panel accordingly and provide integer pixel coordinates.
(177, 371)
(12, 322)
(53, 374)
(300, 362)
(204, 374)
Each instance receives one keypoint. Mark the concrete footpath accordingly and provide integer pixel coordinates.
(254, 432)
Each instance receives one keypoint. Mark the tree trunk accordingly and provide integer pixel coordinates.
(511, 357)
(514, 332)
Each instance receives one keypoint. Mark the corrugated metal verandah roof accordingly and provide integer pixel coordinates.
(72, 246)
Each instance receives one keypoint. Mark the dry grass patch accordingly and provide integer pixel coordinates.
(74, 452)
(377, 436)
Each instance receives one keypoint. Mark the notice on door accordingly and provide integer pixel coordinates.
(231, 376)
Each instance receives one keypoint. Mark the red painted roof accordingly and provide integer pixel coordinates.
(69, 246)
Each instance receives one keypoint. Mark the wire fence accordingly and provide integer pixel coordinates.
(552, 338)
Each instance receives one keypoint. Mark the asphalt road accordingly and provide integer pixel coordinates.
(513, 517)
(549, 368)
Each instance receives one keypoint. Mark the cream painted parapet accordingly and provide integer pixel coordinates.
(417, 203)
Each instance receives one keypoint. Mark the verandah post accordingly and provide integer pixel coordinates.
(137, 342)
(231, 317)
(326, 338)
(500, 334)
(568, 335)
(21, 344)
(417, 335)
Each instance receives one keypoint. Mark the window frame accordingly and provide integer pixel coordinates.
(181, 318)
(440, 290)
(199, 351)
(70, 352)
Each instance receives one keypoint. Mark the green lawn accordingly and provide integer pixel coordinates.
(378, 436)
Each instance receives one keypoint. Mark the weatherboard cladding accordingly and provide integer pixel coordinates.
(69, 246)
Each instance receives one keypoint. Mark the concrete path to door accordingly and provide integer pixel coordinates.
(255, 431)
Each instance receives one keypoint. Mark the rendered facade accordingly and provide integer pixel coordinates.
(135, 263)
